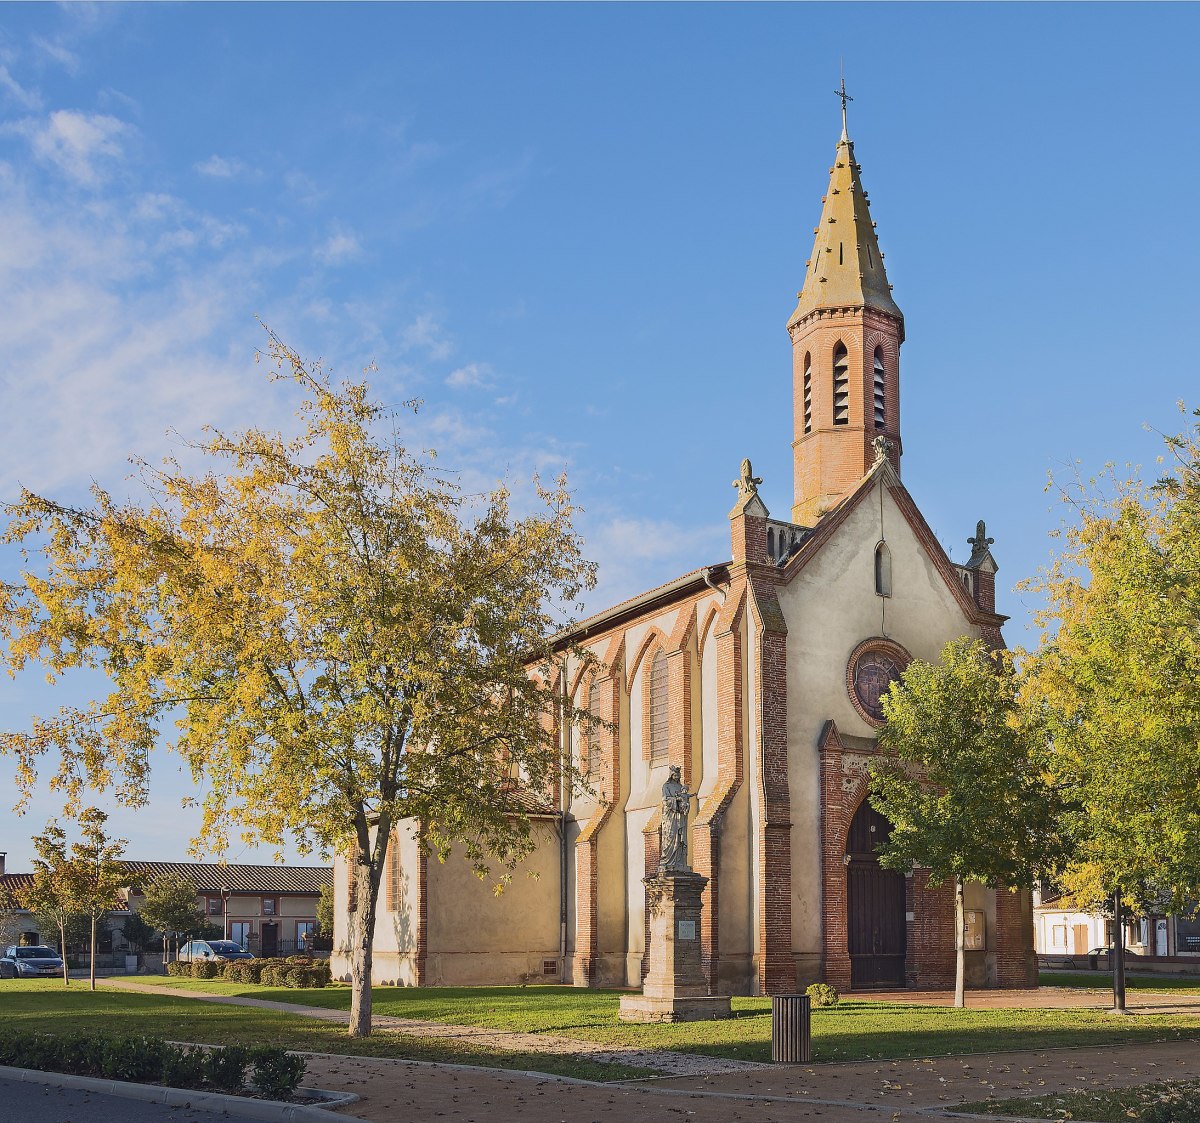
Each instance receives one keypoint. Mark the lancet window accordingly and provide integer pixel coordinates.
(841, 385)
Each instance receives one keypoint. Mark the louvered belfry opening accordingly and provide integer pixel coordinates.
(880, 390)
(808, 393)
(658, 708)
(841, 385)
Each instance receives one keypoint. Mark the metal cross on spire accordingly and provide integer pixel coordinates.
(845, 98)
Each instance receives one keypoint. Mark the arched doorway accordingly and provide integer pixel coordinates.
(875, 922)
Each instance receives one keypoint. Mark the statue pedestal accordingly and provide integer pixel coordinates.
(675, 989)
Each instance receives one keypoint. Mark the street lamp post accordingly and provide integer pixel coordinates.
(225, 912)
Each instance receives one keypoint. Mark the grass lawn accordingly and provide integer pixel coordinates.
(47, 1005)
(1099, 1107)
(853, 1030)
(1102, 981)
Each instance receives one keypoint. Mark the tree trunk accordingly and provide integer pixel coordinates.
(360, 931)
(1118, 956)
(62, 947)
(92, 964)
(960, 950)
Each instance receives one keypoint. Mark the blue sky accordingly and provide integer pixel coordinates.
(577, 232)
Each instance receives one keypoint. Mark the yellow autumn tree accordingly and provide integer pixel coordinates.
(1117, 673)
(330, 634)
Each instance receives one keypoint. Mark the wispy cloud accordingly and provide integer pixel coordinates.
(55, 51)
(222, 167)
(82, 146)
(26, 99)
(426, 334)
(341, 246)
(303, 189)
(473, 375)
(637, 554)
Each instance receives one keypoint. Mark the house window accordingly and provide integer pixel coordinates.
(214, 906)
(841, 385)
(1187, 933)
(239, 933)
(270, 906)
(808, 393)
(593, 735)
(883, 570)
(304, 931)
(658, 708)
(880, 390)
(1058, 936)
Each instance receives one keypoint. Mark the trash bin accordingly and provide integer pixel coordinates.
(791, 1029)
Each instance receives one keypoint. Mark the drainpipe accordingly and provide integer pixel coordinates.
(564, 743)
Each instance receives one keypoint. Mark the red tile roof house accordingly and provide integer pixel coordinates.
(272, 910)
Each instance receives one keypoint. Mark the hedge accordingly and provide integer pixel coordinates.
(273, 1071)
(295, 971)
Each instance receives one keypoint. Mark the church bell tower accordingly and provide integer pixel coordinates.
(846, 334)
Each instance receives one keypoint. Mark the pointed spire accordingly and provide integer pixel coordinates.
(846, 268)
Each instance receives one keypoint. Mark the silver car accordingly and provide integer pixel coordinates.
(29, 963)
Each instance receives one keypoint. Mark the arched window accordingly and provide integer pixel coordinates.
(657, 732)
(841, 385)
(593, 734)
(880, 390)
(883, 570)
(808, 393)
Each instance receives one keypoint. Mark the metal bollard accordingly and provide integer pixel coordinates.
(791, 1029)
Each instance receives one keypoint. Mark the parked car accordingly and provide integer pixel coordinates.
(220, 951)
(29, 962)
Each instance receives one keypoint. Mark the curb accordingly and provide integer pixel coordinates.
(182, 1097)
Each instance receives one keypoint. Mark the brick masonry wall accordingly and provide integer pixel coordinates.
(1016, 960)
(831, 459)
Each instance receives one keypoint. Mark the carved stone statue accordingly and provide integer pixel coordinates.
(676, 800)
(747, 483)
(883, 447)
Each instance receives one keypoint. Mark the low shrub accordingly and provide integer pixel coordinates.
(275, 1072)
(206, 969)
(226, 1068)
(132, 1057)
(184, 1067)
(175, 969)
(822, 994)
(135, 1057)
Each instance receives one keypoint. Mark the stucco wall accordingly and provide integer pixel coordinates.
(830, 608)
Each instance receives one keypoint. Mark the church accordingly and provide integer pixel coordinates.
(760, 676)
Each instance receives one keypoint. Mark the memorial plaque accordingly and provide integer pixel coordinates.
(687, 929)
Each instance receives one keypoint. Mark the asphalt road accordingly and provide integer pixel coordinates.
(22, 1102)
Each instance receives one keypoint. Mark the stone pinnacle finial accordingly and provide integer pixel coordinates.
(884, 447)
(747, 483)
(980, 543)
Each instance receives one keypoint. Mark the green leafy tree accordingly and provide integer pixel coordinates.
(966, 785)
(325, 911)
(137, 932)
(341, 637)
(51, 896)
(1117, 671)
(97, 875)
(169, 906)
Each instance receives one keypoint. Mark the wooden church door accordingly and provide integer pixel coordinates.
(875, 903)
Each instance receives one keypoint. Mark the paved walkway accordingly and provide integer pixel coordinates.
(859, 1092)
